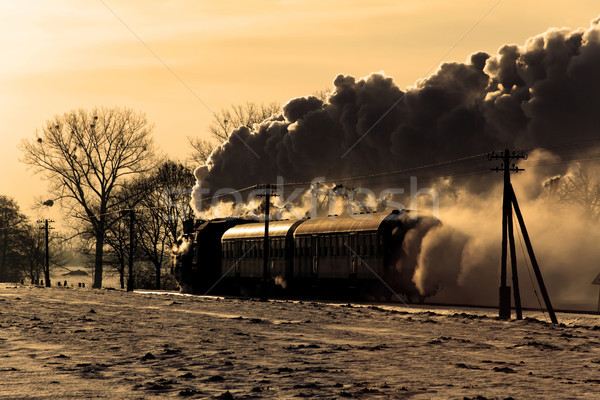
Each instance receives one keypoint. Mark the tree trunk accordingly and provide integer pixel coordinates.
(98, 260)
(122, 275)
(157, 268)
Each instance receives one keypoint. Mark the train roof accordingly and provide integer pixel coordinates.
(257, 230)
(367, 222)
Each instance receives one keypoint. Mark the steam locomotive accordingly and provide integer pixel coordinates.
(370, 256)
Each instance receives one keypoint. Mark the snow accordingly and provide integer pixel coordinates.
(84, 343)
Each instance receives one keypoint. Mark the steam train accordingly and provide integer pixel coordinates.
(370, 256)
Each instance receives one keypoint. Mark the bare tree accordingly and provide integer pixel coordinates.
(13, 228)
(579, 189)
(86, 155)
(239, 115)
(225, 121)
(117, 238)
(164, 205)
(33, 245)
(201, 149)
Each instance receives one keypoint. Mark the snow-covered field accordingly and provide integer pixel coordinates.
(82, 343)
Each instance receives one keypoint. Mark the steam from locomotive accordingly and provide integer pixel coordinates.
(524, 96)
(536, 96)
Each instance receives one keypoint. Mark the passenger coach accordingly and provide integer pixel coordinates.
(352, 255)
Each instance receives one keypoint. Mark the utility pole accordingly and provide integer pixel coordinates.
(131, 214)
(268, 191)
(509, 202)
(46, 229)
(504, 307)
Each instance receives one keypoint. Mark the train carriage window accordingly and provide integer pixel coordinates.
(321, 244)
(307, 249)
(375, 244)
(334, 247)
(359, 242)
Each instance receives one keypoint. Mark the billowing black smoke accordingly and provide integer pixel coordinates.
(535, 95)
(542, 95)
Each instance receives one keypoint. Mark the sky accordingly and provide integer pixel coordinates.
(180, 61)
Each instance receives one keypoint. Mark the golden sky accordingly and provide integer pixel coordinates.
(177, 61)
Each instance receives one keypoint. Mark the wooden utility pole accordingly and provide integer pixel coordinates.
(268, 191)
(509, 202)
(504, 306)
(131, 249)
(46, 229)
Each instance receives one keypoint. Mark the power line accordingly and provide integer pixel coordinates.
(456, 168)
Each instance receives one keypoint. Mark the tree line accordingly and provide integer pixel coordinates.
(100, 164)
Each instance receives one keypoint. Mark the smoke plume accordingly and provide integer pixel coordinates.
(537, 95)
(533, 95)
